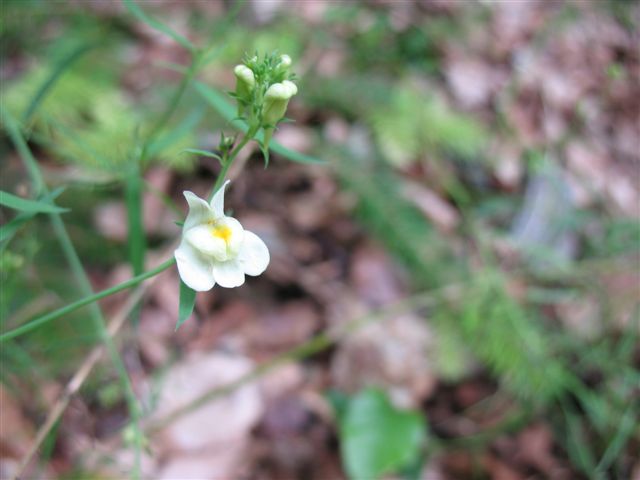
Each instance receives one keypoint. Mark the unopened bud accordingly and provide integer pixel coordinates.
(245, 81)
(285, 62)
(276, 101)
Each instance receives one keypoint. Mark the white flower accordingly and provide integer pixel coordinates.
(215, 248)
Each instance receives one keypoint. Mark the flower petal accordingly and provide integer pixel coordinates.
(202, 238)
(228, 274)
(199, 210)
(254, 254)
(217, 202)
(194, 269)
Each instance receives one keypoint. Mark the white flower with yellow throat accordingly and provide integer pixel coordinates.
(215, 249)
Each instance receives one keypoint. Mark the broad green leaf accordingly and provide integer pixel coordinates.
(28, 206)
(228, 112)
(376, 438)
(139, 13)
(187, 302)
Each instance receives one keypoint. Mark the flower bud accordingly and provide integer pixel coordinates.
(245, 83)
(285, 62)
(275, 105)
(276, 100)
(226, 142)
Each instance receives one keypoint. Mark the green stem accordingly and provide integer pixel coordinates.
(33, 324)
(136, 237)
(228, 160)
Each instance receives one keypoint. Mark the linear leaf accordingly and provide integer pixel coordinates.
(176, 133)
(27, 205)
(203, 153)
(139, 13)
(8, 230)
(51, 80)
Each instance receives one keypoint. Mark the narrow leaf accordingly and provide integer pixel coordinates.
(203, 153)
(26, 205)
(139, 13)
(176, 133)
(8, 230)
(187, 302)
(51, 80)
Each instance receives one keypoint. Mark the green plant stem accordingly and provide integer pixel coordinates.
(38, 322)
(135, 228)
(83, 283)
(228, 160)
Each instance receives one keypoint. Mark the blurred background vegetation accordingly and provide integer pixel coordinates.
(454, 290)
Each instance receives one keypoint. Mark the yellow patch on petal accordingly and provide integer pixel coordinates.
(221, 231)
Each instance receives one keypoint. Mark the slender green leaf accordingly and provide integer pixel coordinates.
(218, 101)
(203, 153)
(376, 438)
(187, 302)
(27, 205)
(51, 80)
(140, 15)
(177, 133)
(8, 230)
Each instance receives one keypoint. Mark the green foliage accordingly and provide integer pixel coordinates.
(85, 119)
(396, 222)
(509, 341)
(415, 122)
(187, 302)
(376, 438)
